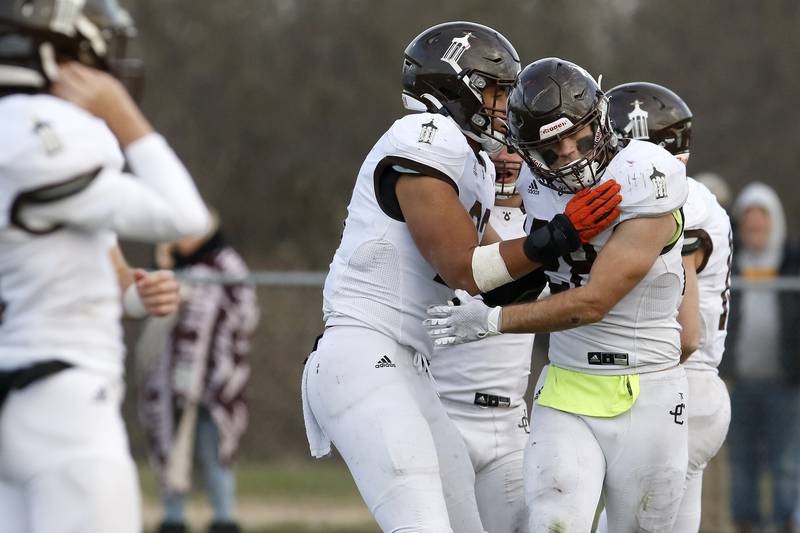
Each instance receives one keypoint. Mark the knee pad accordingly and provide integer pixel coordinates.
(660, 493)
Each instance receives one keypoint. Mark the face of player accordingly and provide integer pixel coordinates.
(560, 153)
(507, 166)
(494, 100)
(755, 226)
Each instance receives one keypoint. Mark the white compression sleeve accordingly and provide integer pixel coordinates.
(488, 268)
(159, 203)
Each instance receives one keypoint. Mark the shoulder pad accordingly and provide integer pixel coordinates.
(653, 181)
(45, 141)
(430, 140)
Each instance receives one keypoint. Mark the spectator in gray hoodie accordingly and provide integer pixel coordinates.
(762, 363)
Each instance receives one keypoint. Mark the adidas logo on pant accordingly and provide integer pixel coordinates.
(385, 362)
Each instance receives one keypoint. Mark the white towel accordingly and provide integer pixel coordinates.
(318, 442)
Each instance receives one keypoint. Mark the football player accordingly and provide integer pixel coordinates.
(650, 112)
(419, 211)
(609, 411)
(482, 385)
(65, 465)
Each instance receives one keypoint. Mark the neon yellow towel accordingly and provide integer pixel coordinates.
(588, 394)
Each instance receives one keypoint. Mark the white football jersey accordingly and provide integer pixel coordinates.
(63, 197)
(708, 222)
(378, 278)
(641, 333)
(493, 371)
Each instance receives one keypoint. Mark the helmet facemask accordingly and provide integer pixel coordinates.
(487, 124)
(480, 118)
(596, 151)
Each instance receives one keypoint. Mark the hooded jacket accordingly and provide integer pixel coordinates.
(780, 256)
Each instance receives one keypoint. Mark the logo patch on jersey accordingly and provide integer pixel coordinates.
(50, 141)
(659, 182)
(533, 188)
(607, 358)
(457, 47)
(490, 400)
(637, 125)
(385, 362)
(427, 133)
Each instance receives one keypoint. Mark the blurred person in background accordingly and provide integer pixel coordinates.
(762, 363)
(65, 464)
(199, 356)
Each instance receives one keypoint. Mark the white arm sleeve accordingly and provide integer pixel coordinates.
(159, 203)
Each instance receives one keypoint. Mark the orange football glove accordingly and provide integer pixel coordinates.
(593, 210)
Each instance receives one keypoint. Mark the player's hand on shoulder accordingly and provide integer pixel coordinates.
(464, 319)
(158, 290)
(592, 210)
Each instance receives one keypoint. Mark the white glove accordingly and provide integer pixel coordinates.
(467, 320)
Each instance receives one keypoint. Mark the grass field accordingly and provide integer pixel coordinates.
(285, 498)
(319, 496)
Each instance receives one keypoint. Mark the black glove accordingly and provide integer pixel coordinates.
(548, 243)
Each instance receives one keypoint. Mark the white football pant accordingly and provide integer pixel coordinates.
(65, 466)
(636, 459)
(708, 426)
(383, 415)
(495, 439)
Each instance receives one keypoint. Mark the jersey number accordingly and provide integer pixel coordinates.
(479, 216)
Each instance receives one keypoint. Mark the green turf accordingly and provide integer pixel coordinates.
(302, 528)
(319, 480)
(327, 483)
